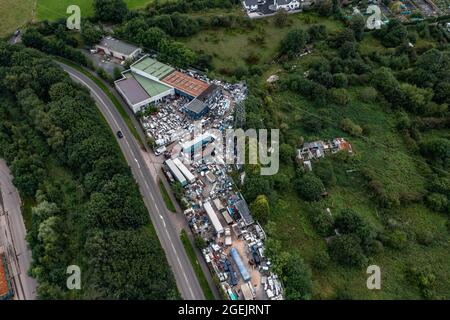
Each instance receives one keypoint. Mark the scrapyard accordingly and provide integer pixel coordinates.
(214, 209)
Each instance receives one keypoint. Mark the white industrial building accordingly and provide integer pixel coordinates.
(176, 172)
(213, 218)
(118, 49)
(184, 170)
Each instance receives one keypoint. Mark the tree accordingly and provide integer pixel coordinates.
(349, 222)
(323, 223)
(350, 127)
(325, 171)
(255, 184)
(110, 10)
(317, 32)
(281, 18)
(297, 278)
(199, 242)
(321, 260)
(176, 53)
(129, 265)
(293, 42)
(347, 50)
(260, 209)
(437, 149)
(287, 153)
(346, 250)
(394, 35)
(309, 187)
(90, 34)
(358, 25)
(152, 38)
(325, 7)
(339, 96)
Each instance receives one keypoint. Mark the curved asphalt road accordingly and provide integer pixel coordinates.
(186, 279)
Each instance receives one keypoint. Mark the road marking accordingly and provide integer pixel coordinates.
(149, 190)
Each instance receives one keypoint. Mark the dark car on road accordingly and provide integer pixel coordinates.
(119, 134)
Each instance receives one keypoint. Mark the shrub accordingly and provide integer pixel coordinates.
(350, 127)
(310, 187)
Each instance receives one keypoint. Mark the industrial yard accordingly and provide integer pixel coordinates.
(214, 209)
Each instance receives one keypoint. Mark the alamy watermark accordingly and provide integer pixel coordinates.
(231, 147)
(374, 280)
(74, 280)
(73, 22)
(374, 20)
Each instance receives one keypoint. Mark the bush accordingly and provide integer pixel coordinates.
(323, 223)
(339, 97)
(350, 127)
(346, 250)
(321, 260)
(437, 202)
(309, 187)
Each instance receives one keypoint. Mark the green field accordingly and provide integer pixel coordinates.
(230, 47)
(14, 14)
(55, 9)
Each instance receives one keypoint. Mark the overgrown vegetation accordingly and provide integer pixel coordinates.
(387, 92)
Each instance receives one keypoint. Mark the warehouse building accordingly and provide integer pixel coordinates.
(176, 173)
(117, 48)
(184, 170)
(200, 105)
(185, 85)
(151, 68)
(213, 218)
(139, 91)
(149, 80)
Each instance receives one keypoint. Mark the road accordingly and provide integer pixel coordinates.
(12, 237)
(185, 277)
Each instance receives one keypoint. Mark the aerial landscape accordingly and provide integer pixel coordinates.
(225, 150)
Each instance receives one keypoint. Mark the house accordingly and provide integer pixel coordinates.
(252, 5)
(318, 149)
(287, 4)
(117, 48)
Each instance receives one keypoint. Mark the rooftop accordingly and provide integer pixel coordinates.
(4, 287)
(132, 89)
(152, 87)
(153, 67)
(118, 45)
(186, 83)
(196, 106)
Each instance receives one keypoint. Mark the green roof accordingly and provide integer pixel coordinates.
(152, 87)
(153, 67)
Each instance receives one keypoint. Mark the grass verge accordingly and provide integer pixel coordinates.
(166, 197)
(196, 265)
(27, 205)
(105, 89)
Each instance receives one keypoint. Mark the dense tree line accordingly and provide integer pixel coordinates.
(88, 208)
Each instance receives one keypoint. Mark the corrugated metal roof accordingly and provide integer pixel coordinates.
(117, 45)
(186, 83)
(152, 87)
(153, 67)
(132, 90)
